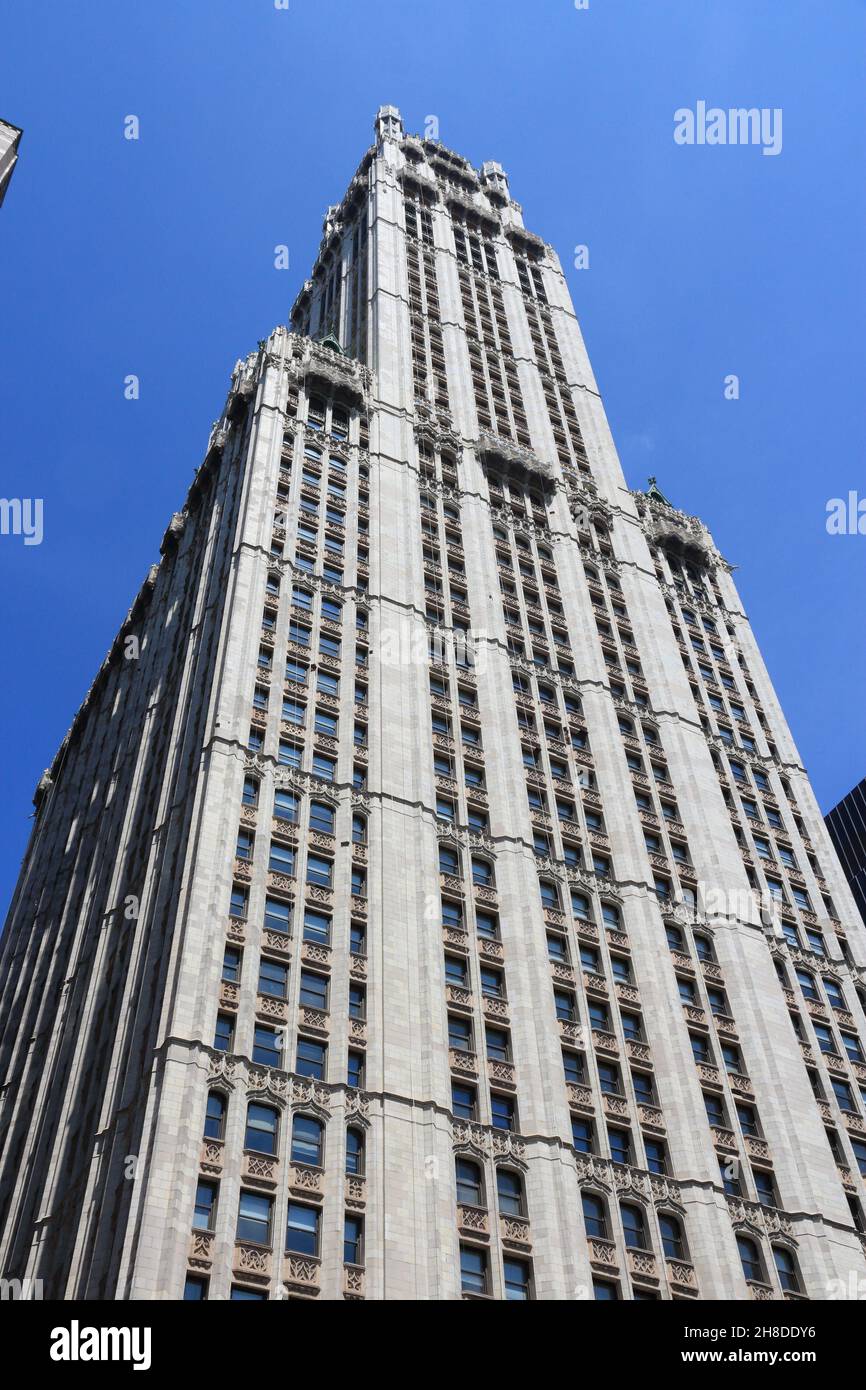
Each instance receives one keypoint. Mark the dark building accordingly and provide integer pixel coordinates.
(847, 825)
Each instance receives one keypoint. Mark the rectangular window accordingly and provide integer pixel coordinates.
(267, 1046)
(302, 1229)
(353, 1237)
(311, 1059)
(204, 1214)
(254, 1218)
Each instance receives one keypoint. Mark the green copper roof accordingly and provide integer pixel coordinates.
(329, 341)
(656, 495)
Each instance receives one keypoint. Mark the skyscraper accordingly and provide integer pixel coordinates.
(428, 900)
(847, 825)
(10, 138)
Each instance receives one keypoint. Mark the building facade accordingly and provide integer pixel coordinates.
(847, 825)
(428, 900)
(10, 138)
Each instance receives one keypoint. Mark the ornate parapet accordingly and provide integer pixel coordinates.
(501, 455)
(665, 525)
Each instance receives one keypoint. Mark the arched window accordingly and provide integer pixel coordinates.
(354, 1153)
(549, 893)
(634, 1226)
(704, 948)
(786, 1268)
(215, 1116)
(307, 1140)
(262, 1128)
(594, 1216)
(509, 1192)
(580, 907)
(673, 1243)
(750, 1258)
(470, 1187)
(807, 984)
(611, 915)
(482, 872)
(675, 938)
(449, 860)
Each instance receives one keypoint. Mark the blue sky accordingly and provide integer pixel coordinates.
(155, 257)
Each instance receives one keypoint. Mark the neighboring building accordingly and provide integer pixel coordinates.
(847, 825)
(388, 927)
(10, 137)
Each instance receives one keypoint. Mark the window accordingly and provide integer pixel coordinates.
(604, 1290)
(286, 807)
(673, 1243)
(204, 1214)
(549, 894)
(509, 1192)
(321, 817)
(317, 927)
(231, 964)
(580, 906)
(278, 915)
(307, 1141)
(765, 1188)
(750, 1259)
(250, 792)
(498, 1044)
(470, 1190)
(786, 1268)
(353, 1240)
(464, 1101)
(643, 1088)
(582, 1136)
(302, 1229)
(844, 1096)
(482, 872)
(244, 845)
(355, 1069)
(254, 1218)
(224, 1033)
(311, 1059)
(195, 1288)
(267, 1046)
(566, 1008)
(620, 1145)
(518, 1279)
(357, 1001)
(634, 1226)
(594, 1216)
(273, 979)
(503, 1111)
(473, 1270)
(354, 1153)
(319, 870)
(656, 1156)
(609, 1079)
(492, 983)
(261, 1130)
(215, 1116)
(314, 990)
(281, 859)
